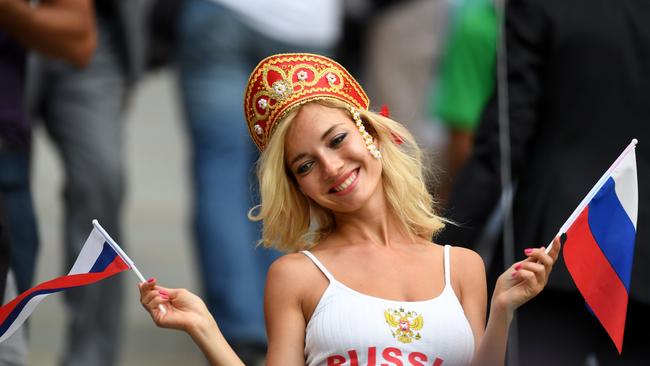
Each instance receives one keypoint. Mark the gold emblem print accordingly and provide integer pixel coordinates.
(404, 325)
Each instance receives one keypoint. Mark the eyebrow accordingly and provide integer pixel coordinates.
(329, 130)
(298, 157)
(322, 138)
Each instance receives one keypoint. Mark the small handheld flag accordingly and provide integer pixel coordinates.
(99, 258)
(125, 257)
(600, 244)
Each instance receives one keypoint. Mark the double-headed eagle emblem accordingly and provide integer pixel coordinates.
(404, 325)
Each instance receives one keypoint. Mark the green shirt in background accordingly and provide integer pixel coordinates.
(466, 73)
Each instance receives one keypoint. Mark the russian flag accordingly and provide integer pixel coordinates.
(97, 260)
(600, 244)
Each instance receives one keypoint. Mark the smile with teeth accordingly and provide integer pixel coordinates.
(346, 183)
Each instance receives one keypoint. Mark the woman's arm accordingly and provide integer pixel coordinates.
(187, 312)
(516, 286)
(469, 273)
(285, 322)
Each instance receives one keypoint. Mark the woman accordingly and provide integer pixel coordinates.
(347, 184)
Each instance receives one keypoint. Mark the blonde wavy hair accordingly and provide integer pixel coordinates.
(292, 222)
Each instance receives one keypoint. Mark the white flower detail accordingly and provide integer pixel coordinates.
(262, 103)
(279, 88)
(331, 78)
(258, 129)
(302, 75)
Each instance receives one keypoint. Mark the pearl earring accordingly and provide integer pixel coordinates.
(370, 144)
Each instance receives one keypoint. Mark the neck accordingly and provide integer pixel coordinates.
(375, 223)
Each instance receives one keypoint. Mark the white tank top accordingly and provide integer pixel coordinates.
(349, 328)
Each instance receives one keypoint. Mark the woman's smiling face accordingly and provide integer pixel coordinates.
(329, 159)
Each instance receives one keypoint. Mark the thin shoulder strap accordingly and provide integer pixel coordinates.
(447, 267)
(319, 265)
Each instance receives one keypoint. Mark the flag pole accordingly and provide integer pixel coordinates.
(595, 190)
(126, 258)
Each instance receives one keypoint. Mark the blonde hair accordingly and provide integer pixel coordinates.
(292, 223)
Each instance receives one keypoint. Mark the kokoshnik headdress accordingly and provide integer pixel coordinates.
(283, 82)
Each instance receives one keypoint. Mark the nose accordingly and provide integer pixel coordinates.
(332, 165)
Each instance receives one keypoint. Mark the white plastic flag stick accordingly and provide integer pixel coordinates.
(125, 257)
(585, 201)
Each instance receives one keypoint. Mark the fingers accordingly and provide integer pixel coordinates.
(557, 245)
(161, 299)
(154, 299)
(533, 272)
(529, 281)
(536, 268)
(152, 295)
(147, 286)
(540, 255)
(554, 248)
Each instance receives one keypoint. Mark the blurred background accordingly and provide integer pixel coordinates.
(156, 226)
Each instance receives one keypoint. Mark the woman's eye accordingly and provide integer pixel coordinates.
(338, 139)
(304, 168)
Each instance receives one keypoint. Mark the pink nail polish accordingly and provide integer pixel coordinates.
(163, 293)
(164, 296)
(518, 267)
(151, 280)
(514, 273)
(528, 250)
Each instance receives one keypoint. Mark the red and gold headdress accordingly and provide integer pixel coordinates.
(282, 82)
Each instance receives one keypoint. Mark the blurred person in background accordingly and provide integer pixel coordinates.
(62, 29)
(13, 351)
(401, 50)
(578, 77)
(4, 251)
(219, 42)
(464, 82)
(83, 112)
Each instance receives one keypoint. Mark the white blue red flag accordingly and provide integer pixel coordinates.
(98, 260)
(599, 247)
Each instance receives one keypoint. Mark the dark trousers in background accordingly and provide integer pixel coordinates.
(83, 110)
(4, 251)
(19, 216)
(217, 51)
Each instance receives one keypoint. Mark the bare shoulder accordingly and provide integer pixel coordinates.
(289, 267)
(289, 263)
(467, 259)
(467, 272)
(283, 281)
(294, 280)
(292, 271)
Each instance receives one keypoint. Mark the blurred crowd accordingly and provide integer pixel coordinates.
(575, 90)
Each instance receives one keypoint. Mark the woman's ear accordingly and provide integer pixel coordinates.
(397, 139)
(373, 132)
(370, 128)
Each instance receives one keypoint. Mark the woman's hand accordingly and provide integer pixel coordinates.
(525, 279)
(186, 311)
(183, 310)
